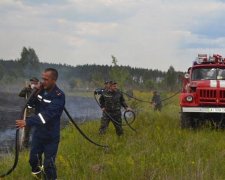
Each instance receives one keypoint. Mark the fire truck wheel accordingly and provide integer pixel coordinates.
(186, 120)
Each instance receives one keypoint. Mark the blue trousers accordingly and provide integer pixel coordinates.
(49, 148)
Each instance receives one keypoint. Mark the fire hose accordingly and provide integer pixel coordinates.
(80, 131)
(149, 101)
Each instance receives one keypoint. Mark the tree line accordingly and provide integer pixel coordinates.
(90, 76)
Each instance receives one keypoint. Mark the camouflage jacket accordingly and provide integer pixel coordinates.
(112, 101)
(25, 92)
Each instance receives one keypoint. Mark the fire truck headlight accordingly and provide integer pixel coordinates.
(189, 98)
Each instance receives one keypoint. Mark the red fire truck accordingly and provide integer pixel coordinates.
(203, 93)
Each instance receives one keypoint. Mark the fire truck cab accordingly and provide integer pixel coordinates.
(203, 93)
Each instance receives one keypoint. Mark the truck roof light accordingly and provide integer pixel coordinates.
(203, 59)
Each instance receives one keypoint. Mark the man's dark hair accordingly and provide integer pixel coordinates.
(54, 72)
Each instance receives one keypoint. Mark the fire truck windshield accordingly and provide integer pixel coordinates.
(208, 74)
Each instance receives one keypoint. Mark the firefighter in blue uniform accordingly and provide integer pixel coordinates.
(49, 104)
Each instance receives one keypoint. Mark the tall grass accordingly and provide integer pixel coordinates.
(159, 150)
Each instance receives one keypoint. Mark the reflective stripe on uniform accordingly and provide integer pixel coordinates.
(41, 118)
(34, 173)
(39, 97)
(47, 101)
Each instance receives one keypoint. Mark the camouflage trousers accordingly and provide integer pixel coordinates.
(115, 118)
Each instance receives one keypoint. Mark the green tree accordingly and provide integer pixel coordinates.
(30, 62)
(118, 73)
(114, 61)
(150, 84)
(29, 57)
(75, 83)
(97, 79)
(171, 78)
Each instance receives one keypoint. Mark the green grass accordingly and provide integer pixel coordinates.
(159, 150)
(81, 93)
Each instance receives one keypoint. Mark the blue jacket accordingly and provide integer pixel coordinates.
(48, 110)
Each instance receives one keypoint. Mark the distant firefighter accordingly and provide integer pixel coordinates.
(156, 101)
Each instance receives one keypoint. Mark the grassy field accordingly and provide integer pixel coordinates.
(159, 150)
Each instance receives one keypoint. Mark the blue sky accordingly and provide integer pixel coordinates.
(150, 34)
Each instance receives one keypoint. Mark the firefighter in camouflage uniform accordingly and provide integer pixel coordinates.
(25, 93)
(111, 102)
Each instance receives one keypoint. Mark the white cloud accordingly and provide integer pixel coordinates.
(141, 33)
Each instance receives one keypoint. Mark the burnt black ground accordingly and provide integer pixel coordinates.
(80, 108)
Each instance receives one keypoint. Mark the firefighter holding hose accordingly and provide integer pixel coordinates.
(49, 103)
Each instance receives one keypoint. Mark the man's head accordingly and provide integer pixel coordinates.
(107, 84)
(113, 86)
(34, 80)
(49, 77)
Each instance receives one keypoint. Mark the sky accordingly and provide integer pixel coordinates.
(152, 34)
